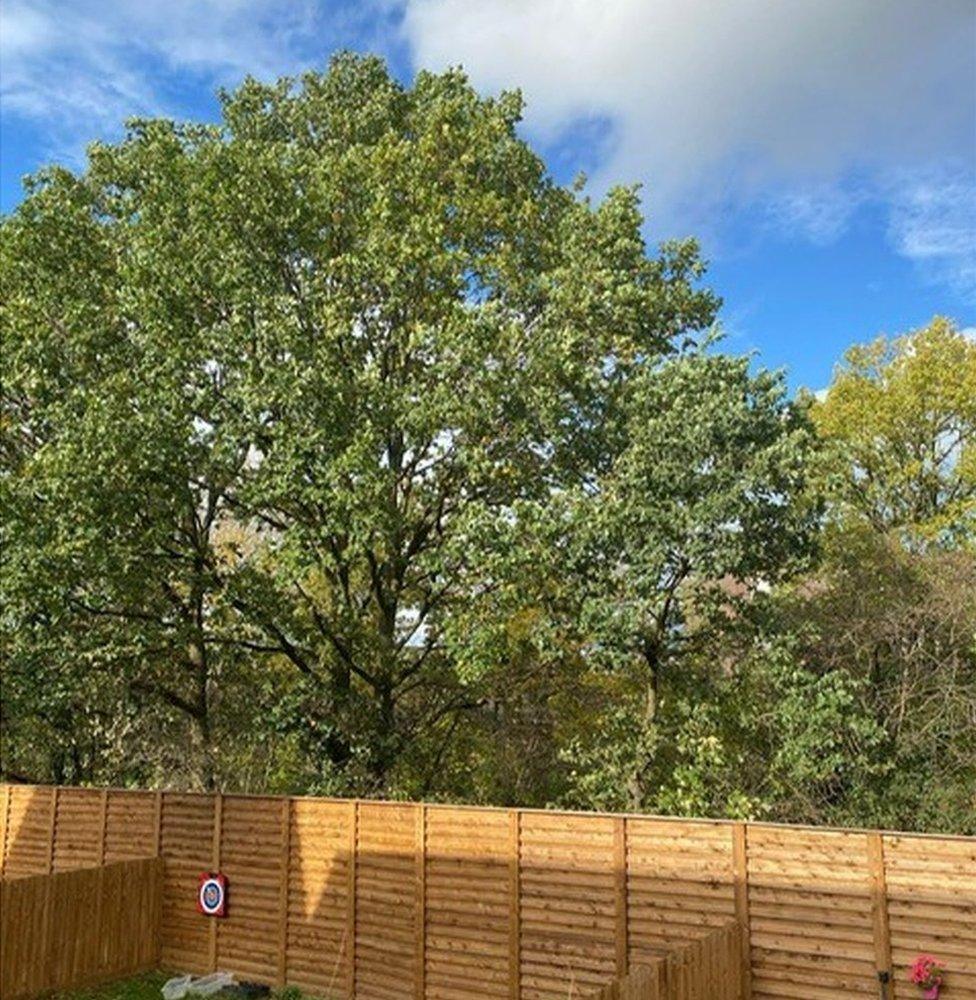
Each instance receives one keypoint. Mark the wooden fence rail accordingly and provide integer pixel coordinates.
(80, 927)
(707, 969)
(379, 900)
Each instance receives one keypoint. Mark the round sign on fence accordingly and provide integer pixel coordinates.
(212, 894)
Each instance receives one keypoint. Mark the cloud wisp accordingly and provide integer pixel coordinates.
(78, 70)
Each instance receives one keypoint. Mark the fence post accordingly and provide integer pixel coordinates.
(879, 911)
(99, 905)
(52, 830)
(102, 823)
(158, 824)
(351, 895)
(284, 875)
(620, 885)
(420, 905)
(514, 914)
(740, 867)
(6, 828)
(218, 824)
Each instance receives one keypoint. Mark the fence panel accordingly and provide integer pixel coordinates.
(387, 914)
(680, 884)
(568, 904)
(187, 844)
(130, 825)
(29, 831)
(467, 904)
(810, 913)
(379, 899)
(319, 929)
(931, 890)
(79, 927)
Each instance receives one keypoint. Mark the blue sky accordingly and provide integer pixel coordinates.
(824, 151)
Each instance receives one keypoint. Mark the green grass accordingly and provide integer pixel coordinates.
(144, 987)
(148, 986)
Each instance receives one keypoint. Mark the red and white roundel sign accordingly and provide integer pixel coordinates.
(212, 894)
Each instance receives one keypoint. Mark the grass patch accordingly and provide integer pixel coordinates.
(144, 987)
(148, 987)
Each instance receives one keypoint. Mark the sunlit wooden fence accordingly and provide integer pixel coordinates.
(386, 900)
(78, 928)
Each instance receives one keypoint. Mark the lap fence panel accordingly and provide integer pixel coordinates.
(810, 915)
(78, 829)
(130, 826)
(931, 887)
(250, 857)
(30, 831)
(467, 903)
(568, 914)
(680, 884)
(187, 848)
(386, 901)
(319, 926)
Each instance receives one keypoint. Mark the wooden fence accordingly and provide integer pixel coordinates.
(710, 968)
(383, 900)
(80, 927)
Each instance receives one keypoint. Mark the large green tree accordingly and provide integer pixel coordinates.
(268, 382)
(900, 417)
(696, 498)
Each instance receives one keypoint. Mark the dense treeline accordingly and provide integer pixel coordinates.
(344, 451)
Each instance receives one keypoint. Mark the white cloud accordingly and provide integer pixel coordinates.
(933, 221)
(779, 102)
(78, 69)
(805, 110)
(820, 212)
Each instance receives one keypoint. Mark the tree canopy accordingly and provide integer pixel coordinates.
(345, 450)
